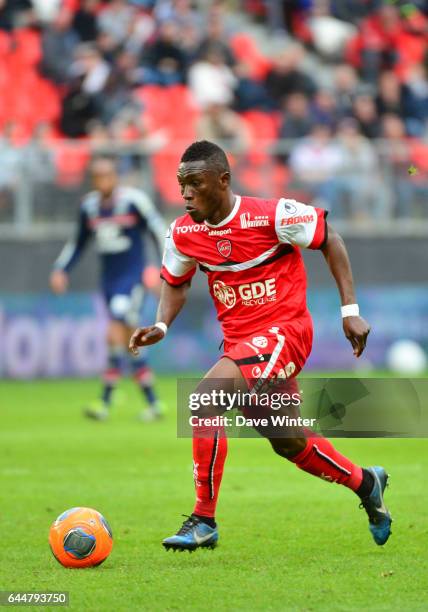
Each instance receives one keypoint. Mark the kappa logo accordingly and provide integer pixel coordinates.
(289, 207)
(224, 247)
(256, 372)
(298, 219)
(225, 294)
(260, 341)
(220, 232)
(258, 221)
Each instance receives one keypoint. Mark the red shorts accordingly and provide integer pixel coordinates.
(277, 352)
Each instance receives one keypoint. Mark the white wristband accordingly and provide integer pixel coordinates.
(162, 326)
(350, 310)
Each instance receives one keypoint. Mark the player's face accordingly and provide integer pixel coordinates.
(203, 189)
(104, 177)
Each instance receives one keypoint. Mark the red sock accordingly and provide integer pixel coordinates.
(209, 455)
(321, 459)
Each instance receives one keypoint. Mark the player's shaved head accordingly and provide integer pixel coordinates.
(104, 174)
(203, 150)
(104, 161)
(204, 178)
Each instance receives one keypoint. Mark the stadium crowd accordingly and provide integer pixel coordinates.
(348, 84)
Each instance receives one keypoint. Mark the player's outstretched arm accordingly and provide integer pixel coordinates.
(356, 329)
(172, 300)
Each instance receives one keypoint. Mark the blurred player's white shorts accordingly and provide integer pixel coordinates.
(127, 307)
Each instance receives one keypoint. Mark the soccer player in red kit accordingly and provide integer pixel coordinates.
(250, 250)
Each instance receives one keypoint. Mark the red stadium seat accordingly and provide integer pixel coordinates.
(28, 46)
(245, 50)
(171, 109)
(71, 160)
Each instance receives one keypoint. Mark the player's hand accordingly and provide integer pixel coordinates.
(144, 336)
(59, 281)
(356, 329)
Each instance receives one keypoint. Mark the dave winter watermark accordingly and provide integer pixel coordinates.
(261, 404)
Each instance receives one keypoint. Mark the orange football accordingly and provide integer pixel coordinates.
(80, 537)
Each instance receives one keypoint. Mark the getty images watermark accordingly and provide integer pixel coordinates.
(333, 407)
(264, 409)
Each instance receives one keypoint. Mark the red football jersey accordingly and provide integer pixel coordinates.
(252, 259)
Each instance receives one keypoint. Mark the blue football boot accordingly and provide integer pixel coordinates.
(193, 534)
(379, 518)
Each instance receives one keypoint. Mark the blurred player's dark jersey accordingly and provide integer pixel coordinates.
(119, 226)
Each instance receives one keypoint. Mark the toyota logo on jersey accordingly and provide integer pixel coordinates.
(224, 247)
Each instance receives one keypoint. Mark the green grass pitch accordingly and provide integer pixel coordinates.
(287, 540)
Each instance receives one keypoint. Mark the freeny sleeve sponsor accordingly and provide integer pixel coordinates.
(177, 268)
(301, 225)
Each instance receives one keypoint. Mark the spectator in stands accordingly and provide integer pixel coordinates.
(117, 93)
(375, 47)
(314, 162)
(92, 68)
(38, 156)
(58, 44)
(408, 100)
(85, 21)
(10, 170)
(297, 121)
(179, 11)
(416, 100)
(216, 39)
(249, 93)
(221, 124)
(356, 190)
(345, 82)
(189, 43)
(78, 108)
(354, 10)
(329, 35)
(390, 96)
(401, 154)
(324, 108)
(212, 81)
(163, 60)
(116, 19)
(287, 77)
(364, 111)
(141, 30)
(14, 13)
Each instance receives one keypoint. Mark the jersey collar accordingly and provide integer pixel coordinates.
(230, 216)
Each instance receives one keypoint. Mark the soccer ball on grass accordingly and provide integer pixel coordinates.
(80, 537)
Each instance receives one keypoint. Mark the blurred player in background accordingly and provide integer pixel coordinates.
(250, 250)
(119, 218)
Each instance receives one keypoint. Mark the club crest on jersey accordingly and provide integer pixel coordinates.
(224, 247)
(225, 294)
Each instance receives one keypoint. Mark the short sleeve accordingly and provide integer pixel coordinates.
(300, 224)
(177, 268)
